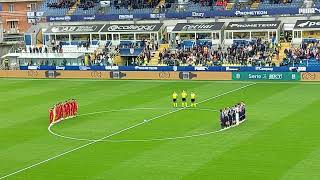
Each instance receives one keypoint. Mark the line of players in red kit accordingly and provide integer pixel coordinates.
(61, 111)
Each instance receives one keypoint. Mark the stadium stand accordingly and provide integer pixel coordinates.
(56, 7)
(308, 54)
(190, 52)
(116, 7)
(280, 4)
(94, 7)
(241, 53)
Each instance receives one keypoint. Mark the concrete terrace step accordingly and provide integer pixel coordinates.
(281, 53)
(229, 6)
(118, 60)
(157, 9)
(73, 8)
(255, 5)
(155, 58)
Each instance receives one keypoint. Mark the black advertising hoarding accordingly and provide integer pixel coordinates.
(307, 24)
(254, 25)
(94, 28)
(132, 27)
(214, 26)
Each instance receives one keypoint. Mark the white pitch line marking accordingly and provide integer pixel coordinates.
(115, 133)
(128, 140)
(148, 140)
(177, 137)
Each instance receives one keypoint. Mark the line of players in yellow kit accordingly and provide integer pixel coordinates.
(184, 97)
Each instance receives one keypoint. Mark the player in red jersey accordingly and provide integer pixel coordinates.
(71, 108)
(60, 111)
(65, 110)
(76, 107)
(51, 115)
(56, 112)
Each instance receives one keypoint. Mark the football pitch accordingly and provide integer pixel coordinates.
(129, 130)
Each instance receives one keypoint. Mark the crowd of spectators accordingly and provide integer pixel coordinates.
(254, 53)
(101, 58)
(62, 4)
(203, 2)
(56, 46)
(247, 5)
(35, 49)
(307, 51)
(279, 1)
(185, 5)
(85, 4)
(136, 4)
(148, 47)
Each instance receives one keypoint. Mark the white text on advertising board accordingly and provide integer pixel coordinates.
(132, 28)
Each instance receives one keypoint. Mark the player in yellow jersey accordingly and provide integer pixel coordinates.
(193, 99)
(184, 98)
(174, 99)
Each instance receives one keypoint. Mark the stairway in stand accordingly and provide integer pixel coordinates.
(255, 5)
(155, 59)
(229, 6)
(157, 9)
(284, 46)
(117, 59)
(73, 8)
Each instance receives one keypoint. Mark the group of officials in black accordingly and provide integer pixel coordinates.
(233, 115)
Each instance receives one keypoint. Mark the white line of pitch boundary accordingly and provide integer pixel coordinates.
(131, 140)
(115, 133)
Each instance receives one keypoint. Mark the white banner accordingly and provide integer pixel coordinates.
(105, 3)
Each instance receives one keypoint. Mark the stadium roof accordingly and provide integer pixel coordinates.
(44, 55)
(198, 27)
(253, 25)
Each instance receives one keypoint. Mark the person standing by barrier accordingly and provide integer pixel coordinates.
(6, 63)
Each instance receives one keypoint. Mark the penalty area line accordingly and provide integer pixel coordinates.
(115, 133)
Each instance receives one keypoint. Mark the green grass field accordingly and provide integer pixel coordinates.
(279, 140)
